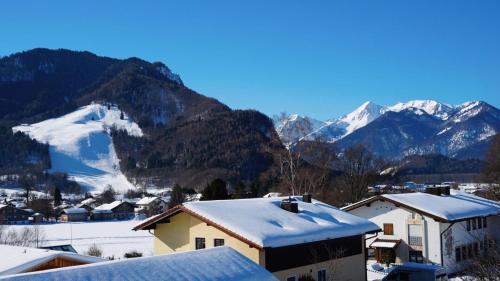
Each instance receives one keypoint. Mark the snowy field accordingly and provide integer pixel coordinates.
(113, 237)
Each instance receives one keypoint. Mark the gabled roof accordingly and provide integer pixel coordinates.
(454, 207)
(261, 222)
(147, 200)
(74, 211)
(20, 259)
(220, 263)
(110, 206)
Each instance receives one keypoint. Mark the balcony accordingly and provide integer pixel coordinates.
(415, 240)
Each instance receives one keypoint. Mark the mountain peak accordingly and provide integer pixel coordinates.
(431, 107)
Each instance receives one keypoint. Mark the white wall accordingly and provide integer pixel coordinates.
(384, 212)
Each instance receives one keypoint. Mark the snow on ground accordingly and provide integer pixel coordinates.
(81, 146)
(113, 237)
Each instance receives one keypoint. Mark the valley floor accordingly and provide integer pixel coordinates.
(115, 238)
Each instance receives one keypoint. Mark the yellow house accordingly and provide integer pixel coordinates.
(290, 237)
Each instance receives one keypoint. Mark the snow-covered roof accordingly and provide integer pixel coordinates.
(272, 194)
(75, 211)
(20, 259)
(454, 207)
(147, 200)
(109, 206)
(87, 201)
(264, 223)
(220, 263)
(2, 206)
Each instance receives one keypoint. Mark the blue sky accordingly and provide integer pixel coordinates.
(318, 58)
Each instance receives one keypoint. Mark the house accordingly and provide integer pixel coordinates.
(12, 215)
(73, 214)
(442, 226)
(119, 209)
(290, 237)
(89, 208)
(24, 259)
(221, 263)
(151, 206)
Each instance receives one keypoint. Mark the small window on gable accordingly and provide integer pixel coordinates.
(200, 243)
(388, 229)
(321, 275)
(218, 242)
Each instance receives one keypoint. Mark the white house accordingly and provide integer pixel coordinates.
(221, 263)
(446, 229)
(151, 205)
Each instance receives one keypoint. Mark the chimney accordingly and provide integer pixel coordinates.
(289, 205)
(445, 190)
(433, 190)
(307, 198)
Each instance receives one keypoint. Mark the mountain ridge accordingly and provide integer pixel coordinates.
(458, 128)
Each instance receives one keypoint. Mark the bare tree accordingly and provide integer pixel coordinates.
(29, 236)
(358, 167)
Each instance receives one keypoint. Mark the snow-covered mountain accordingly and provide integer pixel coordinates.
(414, 127)
(81, 146)
(431, 107)
(295, 127)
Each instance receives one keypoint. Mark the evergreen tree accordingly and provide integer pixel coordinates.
(216, 190)
(107, 196)
(57, 196)
(177, 197)
(239, 191)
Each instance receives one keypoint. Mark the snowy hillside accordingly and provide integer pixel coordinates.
(81, 146)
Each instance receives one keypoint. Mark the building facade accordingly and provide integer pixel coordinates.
(425, 228)
(11, 215)
(322, 255)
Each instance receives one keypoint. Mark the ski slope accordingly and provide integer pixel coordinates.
(81, 146)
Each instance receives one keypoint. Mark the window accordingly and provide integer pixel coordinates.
(484, 222)
(291, 278)
(388, 229)
(468, 225)
(479, 223)
(200, 243)
(458, 255)
(416, 256)
(464, 253)
(218, 242)
(322, 275)
(469, 251)
(476, 249)
(473, 224)
(415, 235)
